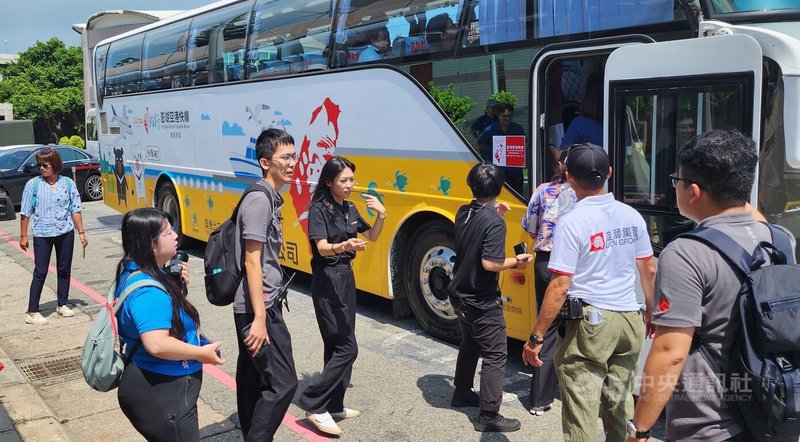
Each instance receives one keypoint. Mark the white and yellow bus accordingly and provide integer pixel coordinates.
(181, 101)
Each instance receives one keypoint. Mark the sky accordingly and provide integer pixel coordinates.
(23, 22)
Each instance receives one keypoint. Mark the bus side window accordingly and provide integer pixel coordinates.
(292, 37)
(123, 68)
(214, 39)
(164, 57)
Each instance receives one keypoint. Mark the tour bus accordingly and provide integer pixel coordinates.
(182, 101)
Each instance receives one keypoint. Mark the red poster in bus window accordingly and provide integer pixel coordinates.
(508, 150)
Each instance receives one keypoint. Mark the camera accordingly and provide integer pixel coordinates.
(175, 264)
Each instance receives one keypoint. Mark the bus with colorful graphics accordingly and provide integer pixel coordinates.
(180, 103)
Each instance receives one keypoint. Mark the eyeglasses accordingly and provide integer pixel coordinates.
(675, 178)
(287, 158)
(43, 165)
(506, 115)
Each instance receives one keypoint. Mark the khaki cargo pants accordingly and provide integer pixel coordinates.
(596, 366)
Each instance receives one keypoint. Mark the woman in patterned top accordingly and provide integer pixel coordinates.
(548, 202)
(53, 202)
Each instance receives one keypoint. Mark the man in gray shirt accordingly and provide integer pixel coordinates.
(265, 375)
(696, 292)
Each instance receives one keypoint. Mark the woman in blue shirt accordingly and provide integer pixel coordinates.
(53, 203)
(588, 126)
(159, 388)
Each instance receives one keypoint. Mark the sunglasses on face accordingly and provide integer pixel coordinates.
(43, 165)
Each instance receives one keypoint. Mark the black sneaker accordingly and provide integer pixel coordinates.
(465, 399)
(497, 423)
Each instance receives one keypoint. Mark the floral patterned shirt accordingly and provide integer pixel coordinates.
(548, 202)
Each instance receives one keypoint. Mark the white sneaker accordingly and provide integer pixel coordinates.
(347, 413)
(65, 311)
(36, 319)
(324, 423)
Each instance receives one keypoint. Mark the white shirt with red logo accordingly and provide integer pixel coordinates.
(598, 243)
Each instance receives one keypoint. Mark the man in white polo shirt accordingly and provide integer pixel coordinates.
(597, 249)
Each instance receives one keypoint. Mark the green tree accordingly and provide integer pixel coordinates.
(46, 86)
(504, 97)
(454, 106)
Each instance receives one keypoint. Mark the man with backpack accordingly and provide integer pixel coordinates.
(266, 378)
(692, 365)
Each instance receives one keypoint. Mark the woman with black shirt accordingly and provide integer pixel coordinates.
(332, 226)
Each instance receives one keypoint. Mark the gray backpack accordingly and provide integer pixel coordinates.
(101, 362)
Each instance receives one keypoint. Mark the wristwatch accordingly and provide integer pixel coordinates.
(636, 433)
(534, 340)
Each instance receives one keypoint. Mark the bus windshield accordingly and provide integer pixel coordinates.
(734, 6)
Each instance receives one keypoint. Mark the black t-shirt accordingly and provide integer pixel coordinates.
(480, 233)
(336, 227)
(481, 123)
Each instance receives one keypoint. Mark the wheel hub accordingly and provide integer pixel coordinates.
(436, 271)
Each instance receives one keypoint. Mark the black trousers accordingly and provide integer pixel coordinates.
(161, 407)
(544, 380)
(483, 334)
(265, 385)
(333, 291)
(42, 248)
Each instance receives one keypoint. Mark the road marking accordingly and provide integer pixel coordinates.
(291, 421)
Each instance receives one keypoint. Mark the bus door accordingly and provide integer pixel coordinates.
(660, 95)
(566, 82)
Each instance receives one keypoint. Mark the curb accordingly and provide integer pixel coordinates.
(24, 415)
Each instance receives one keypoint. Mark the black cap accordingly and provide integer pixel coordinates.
(587, 162)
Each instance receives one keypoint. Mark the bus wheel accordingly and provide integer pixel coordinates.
(429, 272)
(167, 200)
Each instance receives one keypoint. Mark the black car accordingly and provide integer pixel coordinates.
(18, 165)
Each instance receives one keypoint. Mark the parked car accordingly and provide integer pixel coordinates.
(18, 165)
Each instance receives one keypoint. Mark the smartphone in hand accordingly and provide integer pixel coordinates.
(204, 340)
(521, 249)
(246, 333)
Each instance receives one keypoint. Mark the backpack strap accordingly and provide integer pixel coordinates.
(783, 242)
(117, 305)
(69, 195)
(739, 258)
(33, 195)
(255, 187)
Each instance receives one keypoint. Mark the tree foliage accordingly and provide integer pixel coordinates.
(46, 85)
(74, 141)
(504, 97)
(454, 106)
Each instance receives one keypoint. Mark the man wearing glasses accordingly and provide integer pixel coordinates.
(597, 249)
(696, 291)
(265, 375)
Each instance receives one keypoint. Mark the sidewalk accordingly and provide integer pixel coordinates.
(43, 396)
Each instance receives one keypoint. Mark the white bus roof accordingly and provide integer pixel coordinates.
(106, 19)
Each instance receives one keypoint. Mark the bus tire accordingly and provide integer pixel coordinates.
(167, 200)
(428, 271)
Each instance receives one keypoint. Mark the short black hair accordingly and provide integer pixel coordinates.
(502, 107)
(374, 33)
(436, 26)
(269, 140)
(485, 180)
(723, 162)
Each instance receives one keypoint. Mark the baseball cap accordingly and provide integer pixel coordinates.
(588, 162)
(491, 102)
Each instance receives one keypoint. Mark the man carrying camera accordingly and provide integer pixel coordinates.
(480, 235)
(597, 249)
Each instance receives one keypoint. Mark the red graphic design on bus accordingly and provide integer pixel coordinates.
(318, 146)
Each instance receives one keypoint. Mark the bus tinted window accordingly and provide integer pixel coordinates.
(394, 29)
(492, 22)
(99, 70)
(123, 75)
(288, 36)
(216, 45)
(562, 17)
(655, 124)
(164, 53)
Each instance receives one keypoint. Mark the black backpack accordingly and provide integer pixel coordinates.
(223, 274)
(762, 381)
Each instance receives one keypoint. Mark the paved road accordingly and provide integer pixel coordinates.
(402, 380)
